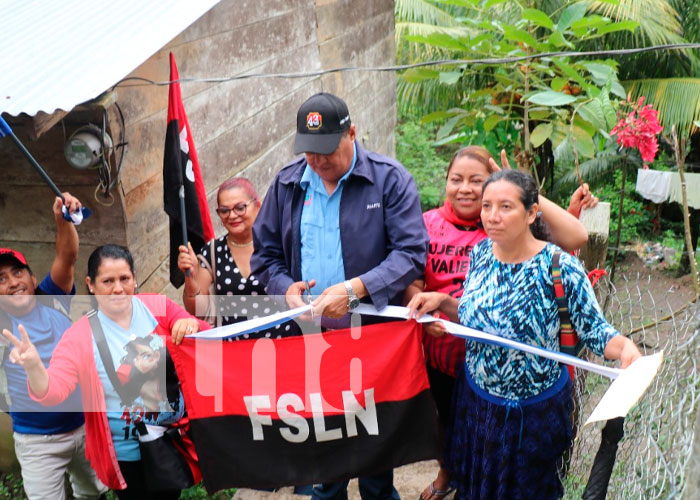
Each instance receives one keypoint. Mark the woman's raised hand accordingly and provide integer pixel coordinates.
(580, 199)
(187, 260)
(24, 353)
(504, 162)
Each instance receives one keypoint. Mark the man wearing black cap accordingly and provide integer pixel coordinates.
(348, 222)
(47, 443)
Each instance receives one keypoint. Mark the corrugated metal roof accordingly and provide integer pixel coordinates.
(56, 54)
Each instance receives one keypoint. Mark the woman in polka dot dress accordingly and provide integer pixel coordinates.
(240, 295)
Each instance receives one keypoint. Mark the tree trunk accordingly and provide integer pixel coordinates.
(679, 150)
(619, 219)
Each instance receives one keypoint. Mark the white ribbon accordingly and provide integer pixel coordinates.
(251, 325)
(628, 385)
(487, 338)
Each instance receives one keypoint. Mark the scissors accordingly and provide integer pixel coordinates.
(309, 298)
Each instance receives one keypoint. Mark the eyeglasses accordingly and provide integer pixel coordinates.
(239, 209)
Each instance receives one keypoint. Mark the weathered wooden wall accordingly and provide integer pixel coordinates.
(25, 202)
(243, 127)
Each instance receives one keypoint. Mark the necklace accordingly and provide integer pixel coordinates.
(238, 245)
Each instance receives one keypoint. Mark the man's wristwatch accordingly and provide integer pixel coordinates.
(353, 301)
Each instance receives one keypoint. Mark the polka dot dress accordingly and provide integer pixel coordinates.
(241, 298)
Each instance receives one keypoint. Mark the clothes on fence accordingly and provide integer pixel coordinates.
(653, 185)
(660, 186)
(692, 189)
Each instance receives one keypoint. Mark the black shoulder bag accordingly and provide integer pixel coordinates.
(164, 466)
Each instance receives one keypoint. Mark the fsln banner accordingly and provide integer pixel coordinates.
(315, 408)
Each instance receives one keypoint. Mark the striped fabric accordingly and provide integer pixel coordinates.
(569, 342)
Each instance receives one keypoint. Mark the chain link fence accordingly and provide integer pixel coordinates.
(654, 455)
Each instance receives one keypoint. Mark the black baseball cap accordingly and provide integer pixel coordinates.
(321, 122)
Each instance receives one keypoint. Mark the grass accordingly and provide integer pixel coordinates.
(11, 488)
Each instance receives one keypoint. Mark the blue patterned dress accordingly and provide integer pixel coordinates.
(511, 420)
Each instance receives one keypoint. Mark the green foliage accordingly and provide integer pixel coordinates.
(197, 492)
(659, 23)
(11, 486)
(416, 151)
(427, 160)
(568, 100)
(637, 213)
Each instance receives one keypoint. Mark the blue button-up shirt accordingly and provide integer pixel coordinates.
(384, 241)
(321, 249)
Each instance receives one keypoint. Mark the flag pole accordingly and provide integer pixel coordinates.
(5, 130)
(183, 217)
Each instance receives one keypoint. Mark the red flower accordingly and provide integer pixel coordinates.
(639, 130)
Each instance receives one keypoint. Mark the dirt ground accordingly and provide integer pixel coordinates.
(665, 287)
(410, 480)
(645, 298)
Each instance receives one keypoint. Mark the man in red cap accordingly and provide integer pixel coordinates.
(47, 443)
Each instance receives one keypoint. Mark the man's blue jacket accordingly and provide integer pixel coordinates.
(383, 236)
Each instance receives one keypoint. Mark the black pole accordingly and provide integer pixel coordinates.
(6, 130)
(597, 487)
(183, 218)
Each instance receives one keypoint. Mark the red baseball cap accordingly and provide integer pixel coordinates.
(14, 254)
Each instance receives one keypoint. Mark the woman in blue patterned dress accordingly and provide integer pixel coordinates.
(510, 415)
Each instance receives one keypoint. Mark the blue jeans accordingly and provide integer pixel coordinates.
(376, 487)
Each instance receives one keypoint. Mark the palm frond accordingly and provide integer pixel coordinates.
(593, 171)
(422, 11)
(409, 51)
(659, 23)
(676, 99)
(658, 20)
(424, 97)
(403, 29)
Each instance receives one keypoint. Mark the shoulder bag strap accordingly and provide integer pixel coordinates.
(568, 339)
(99, 335)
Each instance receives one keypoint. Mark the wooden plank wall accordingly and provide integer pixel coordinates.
(25, 201)
(243, 127)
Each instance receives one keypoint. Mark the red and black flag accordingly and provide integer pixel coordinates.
(182, 177)
(308, 409)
